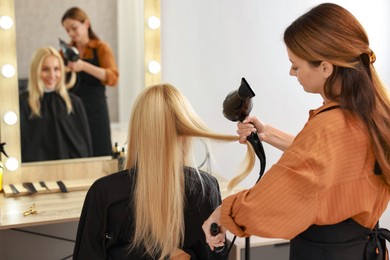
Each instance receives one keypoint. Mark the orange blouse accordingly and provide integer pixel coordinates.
(106, 60)
(324, 177)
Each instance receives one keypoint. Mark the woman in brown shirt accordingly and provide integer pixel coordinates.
(330, 187)
(95, 69)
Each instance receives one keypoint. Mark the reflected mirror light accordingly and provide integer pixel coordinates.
(10, 118)
(154, 67)
(8, 71)
(154, 22)
(6, 22)
(11, 164)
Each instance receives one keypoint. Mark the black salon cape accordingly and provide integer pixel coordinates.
(56, 134)
(106, 223)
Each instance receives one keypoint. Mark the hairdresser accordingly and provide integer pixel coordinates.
(331, 185)
(95, 69)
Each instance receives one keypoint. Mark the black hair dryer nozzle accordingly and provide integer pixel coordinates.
(236, 107)
(238, 103)
(70, 53)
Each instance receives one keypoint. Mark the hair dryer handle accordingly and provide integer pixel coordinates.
(259, 150)
(214, 230)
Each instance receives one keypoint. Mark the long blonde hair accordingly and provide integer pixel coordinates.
(36, 87)
(160, 131)
(329, 32)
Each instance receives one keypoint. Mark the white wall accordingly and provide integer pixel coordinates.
(207, 46)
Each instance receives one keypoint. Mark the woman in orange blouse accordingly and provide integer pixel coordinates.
(95, 69)
(330, 187)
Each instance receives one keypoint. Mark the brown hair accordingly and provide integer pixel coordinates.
(328, 32)
(75, 13)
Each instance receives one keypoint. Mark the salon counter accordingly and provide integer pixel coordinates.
(49, 209)
(63, 211)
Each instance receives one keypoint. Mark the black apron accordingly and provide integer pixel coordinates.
(342, 241)
(93, 94)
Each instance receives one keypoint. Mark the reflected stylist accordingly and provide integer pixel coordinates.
(95, 69)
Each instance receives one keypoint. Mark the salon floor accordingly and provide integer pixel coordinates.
(46, 242)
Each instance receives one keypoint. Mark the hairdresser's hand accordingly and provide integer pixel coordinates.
(249, 125)
(76, 66)
(218, 240)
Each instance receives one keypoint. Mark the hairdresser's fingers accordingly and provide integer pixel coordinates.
(244, 130)
(248, 119)
(242, 140)
(258, 124)
(241, 126)
(216, 241)
(213, 241)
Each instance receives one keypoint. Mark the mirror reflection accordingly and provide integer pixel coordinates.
(36, 27)
(53, 123)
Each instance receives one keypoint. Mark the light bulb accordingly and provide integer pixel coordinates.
(6, 22)
(154, 22)
(12, 164)
(8, 71)
(10, 118)
(154, 67)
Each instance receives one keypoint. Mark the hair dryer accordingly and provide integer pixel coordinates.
(237, 106)
(70, 53)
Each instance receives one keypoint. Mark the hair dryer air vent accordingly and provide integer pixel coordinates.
(70, 53)
(238, 103)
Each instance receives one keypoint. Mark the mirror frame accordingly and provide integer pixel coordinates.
(9, 100)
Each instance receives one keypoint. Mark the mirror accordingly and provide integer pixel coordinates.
(37, 26)
(136, 45)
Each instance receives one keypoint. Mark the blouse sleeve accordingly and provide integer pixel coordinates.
(284, 202)
(281, 205)
(107, 62)
(321, 168)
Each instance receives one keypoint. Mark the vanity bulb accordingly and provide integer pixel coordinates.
(154, 22)
(154, 67)
(10, 118)
(8, 71)
(6, 22)
(11, 164)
